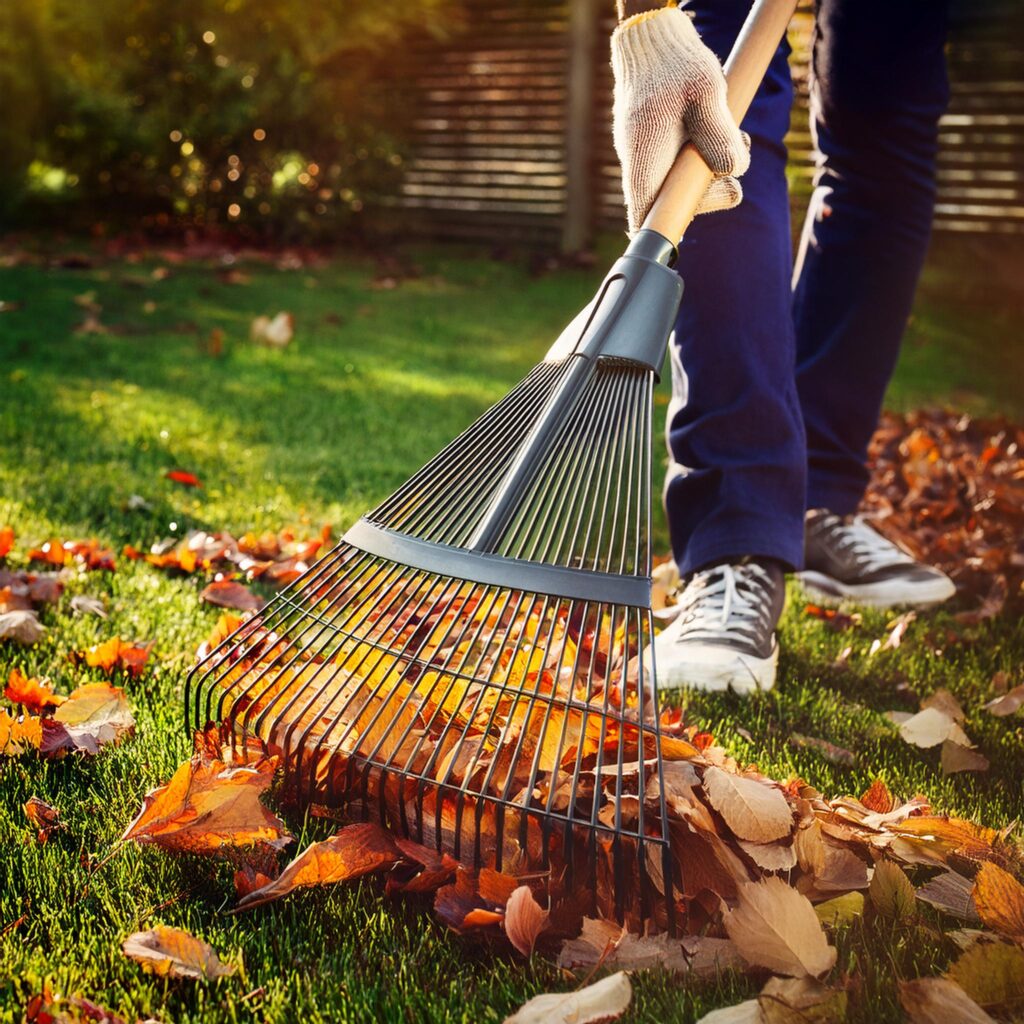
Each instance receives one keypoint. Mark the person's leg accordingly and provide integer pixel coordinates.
(735, 485)
(878, 90)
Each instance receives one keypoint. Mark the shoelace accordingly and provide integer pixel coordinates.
(724, 600)
(869, 549)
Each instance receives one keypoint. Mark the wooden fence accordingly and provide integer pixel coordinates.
(511, 137)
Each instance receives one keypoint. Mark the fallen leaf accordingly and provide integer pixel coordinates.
(44, 818)
(944, 701)
(21, 626)
(1007, 704)
(999, 898)
(35, 694)
(353, 851)
(183, 477)
(840, 910)
(231, 594)
(19, 734)
(93, 716)
(890, 891)
(116, 653)
(525, 919)
(992, 974)
(276, 332)
(210, 808)
(940, 1001)
(172, 953)
(930, 727)
(793, 1000)
(747, 1012)
(774, 926)
(6, 540)
(82, 604)
(835, 619)
(753, 810)
(958, 758)
(952, 893)
(877, 798)
(832, 753)
(605, 1000)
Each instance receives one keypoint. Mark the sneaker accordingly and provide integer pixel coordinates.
(844, 557)
(723, 637)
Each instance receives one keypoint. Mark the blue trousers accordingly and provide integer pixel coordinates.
(779, 373)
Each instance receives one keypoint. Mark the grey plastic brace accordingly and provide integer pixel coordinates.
(497, 571)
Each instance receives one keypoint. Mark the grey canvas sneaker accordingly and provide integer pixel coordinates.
(845, 558)
(723, 637)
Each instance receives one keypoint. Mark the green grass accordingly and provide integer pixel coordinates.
(376, 382)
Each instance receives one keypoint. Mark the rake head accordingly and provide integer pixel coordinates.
(470, 665)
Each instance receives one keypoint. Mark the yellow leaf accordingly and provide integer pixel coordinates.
(604, 1000)
(940, 1001)
(999, 898)
(752, 809)
(992, 974)
(174, 953)
(840, 909)
(890, 891)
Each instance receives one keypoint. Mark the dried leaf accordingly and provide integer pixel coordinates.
(930, 727)
(747, 1012)
(19, 734)
(275, 333)
(93, 716)
(952, 893)
(944, 701)
(173, 953)
(605, 1000)
(6, 540)
(992, 974)
(354, 851)
(1007, 704)
(525, 919)
(22, 626)
(35, 694)
(231, 594)
(774, 926)
(116, 653)
(209, 809)
(82, 604)
(957, 758)
(890, 891)
(878, 798)
(940, 1001)
(752, 809)
(796, 1000)
(999, 898)
(44, 818)
(832, 753)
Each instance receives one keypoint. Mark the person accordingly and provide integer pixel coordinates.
(778, 373)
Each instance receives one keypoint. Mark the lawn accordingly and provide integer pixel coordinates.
(383, 371)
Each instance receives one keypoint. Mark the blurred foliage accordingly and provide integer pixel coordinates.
(272, 116)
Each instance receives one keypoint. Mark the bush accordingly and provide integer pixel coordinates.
(271, 116)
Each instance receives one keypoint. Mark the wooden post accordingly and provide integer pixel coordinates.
(579, 115)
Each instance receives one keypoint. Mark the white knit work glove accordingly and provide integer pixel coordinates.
(670, 88)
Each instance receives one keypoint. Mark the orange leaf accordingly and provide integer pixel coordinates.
(878, 798)
(525, 919)
(208, 809)
(174, 954)
(354, 851)
(999, 898)
(18, 734)
(52, 552)
(35, 694)
(181, 476)
(118, 654)
(43, 817)
(6, 540)
(231, 594)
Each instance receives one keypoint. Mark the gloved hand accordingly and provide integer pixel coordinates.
(670, 88)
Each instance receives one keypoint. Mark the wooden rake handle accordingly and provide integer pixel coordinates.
(747, 65)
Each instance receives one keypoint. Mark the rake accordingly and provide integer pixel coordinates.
(470, 666)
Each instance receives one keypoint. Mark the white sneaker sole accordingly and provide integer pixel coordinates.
(713, 669)
(884, 594)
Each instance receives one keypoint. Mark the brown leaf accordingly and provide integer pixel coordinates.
(877, 798)
(752, 809)
(999, 898)
(93, 716)
(830, 751)
(525, 919)
(21, 626)
(958, 758)
(209, 809)
(940, 1001)
(44, 818)
(1007, 704)
(952, 893)
(172, 953)
(354, 851)
(274, 332)
(795, 1000)
(231, 594)
(35, 694)
(604, 1000)
(774, 926)
(932, 726)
